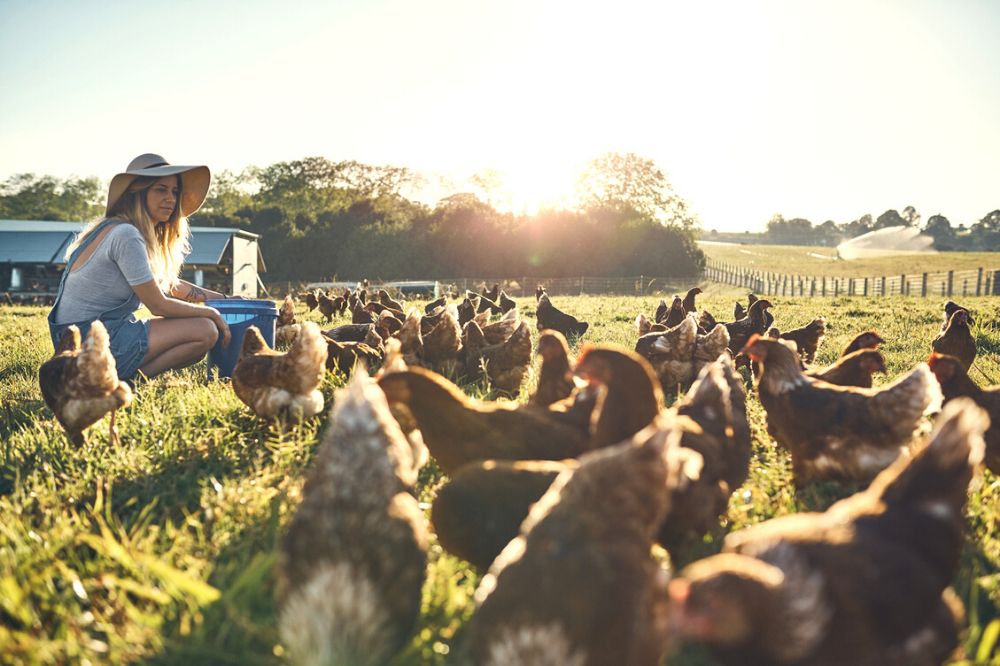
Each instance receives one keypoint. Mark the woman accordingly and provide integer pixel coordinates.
(133, 256)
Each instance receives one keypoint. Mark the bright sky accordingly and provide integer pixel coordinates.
(824, 110)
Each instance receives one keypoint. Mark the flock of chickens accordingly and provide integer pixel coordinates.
(558, 500)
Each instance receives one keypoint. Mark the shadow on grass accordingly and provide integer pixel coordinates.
(240, 627)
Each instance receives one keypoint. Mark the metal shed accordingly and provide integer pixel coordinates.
(33, 256)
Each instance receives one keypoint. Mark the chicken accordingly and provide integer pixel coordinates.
(956, 339)
(493, 293)
(282, 385)
(466, 312)
(672, 316)
(956, 383)
(706, 321)
(630, 395)
(579, 584)
(312, 300)
(838, 432)
(380, 310)
(756, 322)
(505, 302)
(387, 324)
(555, 381)
(866, 340)
(714, 424)
(550, 317)
(353, 562)
(359, 315)
(435, 304)
(950, 308)
(80, 383)
(645, 326)
(285, 328)
(385, 299)
(864, 583)
(808, 338)
(708, 347)
(458, 429)
(478, 512)
(660, 315)
(349, 332)
(855, 369)
(739, 312)
(330, 306)
(539, 290)
(671, 353)
(505, 363)
(343, 356)
(689, 306)
(500, 331)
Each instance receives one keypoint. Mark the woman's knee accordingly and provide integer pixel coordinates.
(208, 334)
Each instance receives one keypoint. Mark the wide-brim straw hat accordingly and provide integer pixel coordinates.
(194, 180)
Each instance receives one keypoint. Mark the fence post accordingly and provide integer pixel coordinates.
(923, 285)
(866, 287)
(965, 286)
(951, 282)
(994, 290)
(979, 282)
(836, 287)
(883, 286)
(824, 286)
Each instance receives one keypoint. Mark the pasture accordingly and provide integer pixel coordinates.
(162, 551)
(823, 262)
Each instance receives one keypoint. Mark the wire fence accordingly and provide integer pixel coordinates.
(972, 282)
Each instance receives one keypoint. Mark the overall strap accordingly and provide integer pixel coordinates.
(76, 255)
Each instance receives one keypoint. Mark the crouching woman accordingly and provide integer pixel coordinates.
(133, 257)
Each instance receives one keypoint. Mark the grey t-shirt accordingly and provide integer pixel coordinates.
(105, 281)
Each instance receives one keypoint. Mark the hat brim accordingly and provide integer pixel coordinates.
(195, 181)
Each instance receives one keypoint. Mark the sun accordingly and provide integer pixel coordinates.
(529, 187)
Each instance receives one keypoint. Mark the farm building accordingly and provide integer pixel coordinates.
(33, 256)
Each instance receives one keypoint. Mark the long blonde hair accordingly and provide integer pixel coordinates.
(167, 243)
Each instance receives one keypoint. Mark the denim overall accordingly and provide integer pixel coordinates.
(129, 337)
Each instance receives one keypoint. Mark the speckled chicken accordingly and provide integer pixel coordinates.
(671, 353)
(282, 385)
(956, 339)
(344, 356)
(285, 328)
(838, 432)
(458, 429)
(354, 559)
(864, 583)
(956, 383)
(579, 585)
(80, 382)
(505, 363)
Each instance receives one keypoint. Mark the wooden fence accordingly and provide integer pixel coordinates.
(973, 282)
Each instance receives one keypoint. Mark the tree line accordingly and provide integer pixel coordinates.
(984, 235)
(321, 219)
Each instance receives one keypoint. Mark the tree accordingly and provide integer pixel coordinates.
(985, 234)
(939, 228)
(622, 181)
(25, 196)
(911, 216)
(890, 218)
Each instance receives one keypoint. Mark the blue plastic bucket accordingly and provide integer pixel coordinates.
(240, 315)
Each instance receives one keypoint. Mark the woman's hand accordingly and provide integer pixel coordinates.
(220, 324)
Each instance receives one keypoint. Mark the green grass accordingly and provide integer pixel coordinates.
(803, 260)
(162, 551)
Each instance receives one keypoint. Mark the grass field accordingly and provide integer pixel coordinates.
(823, 261)
(162, 551)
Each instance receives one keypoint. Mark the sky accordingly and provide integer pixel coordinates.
(819, 109)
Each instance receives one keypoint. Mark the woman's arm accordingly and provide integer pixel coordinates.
(162, 305)
(192, 293)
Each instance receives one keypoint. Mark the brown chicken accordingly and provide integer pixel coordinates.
(466, 311)
(950, 308)
(864, 583)
(807, 338)
(458, 429)
(80, 383)
(855, 369)
(714, 422)
(484, 304)
(629, 397)
(492, 293)
(385, 299)
(282, 385)
(359, 315)
(756, 322)
(285, 328)
(478, 512)
(442, 343)
(956, 383)
(672, 316)
(866, 340)
(579, 585)
(739, 312)
(671, 354)
(353, 562)
(330, 306)
(343, 356)
(312, 300)
(435, 304)
(500, 331)
(956, 339)
(506, 303)
(550, 317)
(504, 363)
(555, 382)
(350, 332)
(689, 305)
(645, 326)
(838, 432)
(708, 347)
